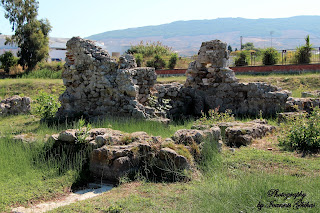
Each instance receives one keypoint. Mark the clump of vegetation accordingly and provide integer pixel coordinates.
(46, 105)
(157, 62)
(82, 131)
(139, 59)
(7, 61)
(241, 59)
(303, 54)
(150, 49)
(173, 60)
(270, 56)
(214, 116)
(127, 139)
(303, 133)
(180, 149)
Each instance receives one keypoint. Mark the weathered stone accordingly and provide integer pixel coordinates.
(15, 105)
(98, 85)
(172, 159)
(242, 134)
(68, 136)
(188, 136)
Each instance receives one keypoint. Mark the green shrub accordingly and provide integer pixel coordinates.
(270, 56)
(241, 59)
(303, 133)
(157, 62)
(214, 116)
(139, 59)
(150, 49)
(46, 105)
(173, 60)
(8, 60)
(82, 131)
(303, 54)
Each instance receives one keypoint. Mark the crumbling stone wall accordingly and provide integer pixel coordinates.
(97, 85)
(211, 84)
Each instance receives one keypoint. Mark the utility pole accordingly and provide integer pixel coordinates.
(241, 43)
(271, 32)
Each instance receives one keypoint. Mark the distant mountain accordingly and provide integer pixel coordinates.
(186, 36)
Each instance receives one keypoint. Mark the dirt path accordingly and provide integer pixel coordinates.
(93, 191)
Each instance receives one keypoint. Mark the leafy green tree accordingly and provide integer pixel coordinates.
(241, 59)
(270, 56)
(303, 54)
(8, 60)
(229, 48)
(173, 60)
(157, 62)
(31, 35)
(150, 49)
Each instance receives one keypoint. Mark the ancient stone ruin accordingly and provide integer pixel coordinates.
(213, 85)
(98, 85)
(15, 105)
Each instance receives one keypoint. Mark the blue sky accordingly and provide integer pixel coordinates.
(84, 18)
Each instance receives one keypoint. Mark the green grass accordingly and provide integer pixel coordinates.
(44, 74)
(130, 125)
(295, 83)
(170, 79)
(30, 87)
(31, 172)
(230, 182)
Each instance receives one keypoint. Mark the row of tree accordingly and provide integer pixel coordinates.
(271, 56)
(30, 34)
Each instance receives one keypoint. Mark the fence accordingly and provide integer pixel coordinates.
(286, 57)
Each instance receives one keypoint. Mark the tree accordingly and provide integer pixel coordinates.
(31, 35)
(303, 54)
(229, 48)
(270, 56)
(7, 60)
(241, 59)
(173, 60)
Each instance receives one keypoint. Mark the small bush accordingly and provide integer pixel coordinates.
(214, 116)
(46, 105)
(82, 131)
(173, 61)
(150, 49)
(270, 56)
(241, 59)
(157, 62)
(303, 133)
(303, 54)
(139, 59)
(8, 60)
